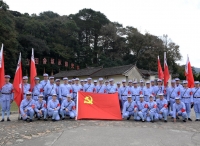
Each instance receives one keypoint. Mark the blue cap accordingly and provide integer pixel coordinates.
(173, 81)
(51, 77)
(123, 81)
(129, 96)
(118, 83)
(110, 80)
(28, 92)
(89, 78)
(95, 81)
(7, 76)
(41, 96)
(185, 82)
(196, 82)
(77, 79)
(45, 75)
(57, 80)
(100, 79)
(161, 94)
(177, 98)
(65, 78)
(37, 78)
(54, 94)
(141, 96)
(159, 80)
(69, 81)
(25, 78)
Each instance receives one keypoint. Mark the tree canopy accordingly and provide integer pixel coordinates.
(87, 38)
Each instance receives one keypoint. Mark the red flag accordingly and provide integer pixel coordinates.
(17, 83)
(189, 74)
(33, 72)
(97, 106)
(2, 72)
(166, 71)
(160, 72)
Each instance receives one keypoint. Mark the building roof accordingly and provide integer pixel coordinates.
(101, 72)
(118, 70)
(77, 73)
(147, 72)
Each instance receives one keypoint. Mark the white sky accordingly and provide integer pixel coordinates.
(179, 19)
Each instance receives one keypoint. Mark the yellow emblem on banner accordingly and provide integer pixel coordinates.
(88, 100)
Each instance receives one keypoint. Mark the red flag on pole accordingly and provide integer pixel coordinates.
(17, 83)
(97, 106)
(189, 74)
(33, 72)
(166, 71)
(160, 72)
(2, 72)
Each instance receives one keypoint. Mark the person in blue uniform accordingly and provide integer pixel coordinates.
(50, 89)
(41, 108)
(6, 98)
(196, 98)
(27, 107)
(129, 108)
(65, 89)
(44, 82)
(26, 86)
(152, 114)
(187, 98)
(53, 107)
(75, 88)
(179, 109)
(162, 108)
(37, 89)
(68, 108)
(142, 107)
(89, 87)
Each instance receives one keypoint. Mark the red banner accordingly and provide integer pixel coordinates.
(44, 61)
(97, 106)
(52, 61)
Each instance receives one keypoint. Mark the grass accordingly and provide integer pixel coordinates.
(14, 107)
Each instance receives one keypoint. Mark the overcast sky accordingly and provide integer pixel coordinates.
(179, 19)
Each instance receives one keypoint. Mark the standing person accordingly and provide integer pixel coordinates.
(58, 89)
(27, 107)
(101, 88)
(95, 86)
(142, 107)
(118, 86)
(6, 98)
(82, 84)
(41, 108)
(123, 92)
(152, 114)
(44, 83)
(65, 89)
(196, 98)
(178, 83)
(111, 88)
(173, 92)
(75, 88)
(85, 81)
(159, 88)
(106, 83)
(37, 89)
(73, 81)
(89, 87)
(179, 110)
(129, 108)
(148, 91)
(135, 92)
(50, 89)
(68, 108)
(187, 98)
(53, 107)
(26, 86)
(141, 87)
(153, 86)
(162, 107)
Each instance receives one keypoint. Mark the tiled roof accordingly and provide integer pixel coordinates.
(77, 73)
(118, 70)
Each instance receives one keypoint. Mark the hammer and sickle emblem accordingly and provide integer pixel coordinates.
(88, 100)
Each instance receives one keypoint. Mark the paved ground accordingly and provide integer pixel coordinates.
(94, 132)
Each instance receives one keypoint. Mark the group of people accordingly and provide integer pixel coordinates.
(144, 101)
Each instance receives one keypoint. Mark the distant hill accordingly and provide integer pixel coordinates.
(197, 70)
